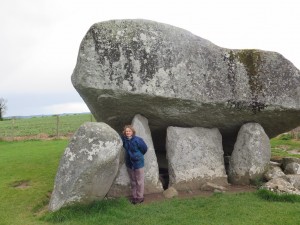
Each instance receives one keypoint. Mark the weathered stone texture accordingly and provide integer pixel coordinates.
(121, 185)
(175, 78)
(274, 172)
(291, 165)
(294, 179)
(251, 155)
(88, 166)
(280, 185)
(195, 156)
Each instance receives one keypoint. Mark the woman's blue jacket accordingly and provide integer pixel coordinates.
(135, 149)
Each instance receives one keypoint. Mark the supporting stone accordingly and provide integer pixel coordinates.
(251, 155)
(121, 185)
(195, 156)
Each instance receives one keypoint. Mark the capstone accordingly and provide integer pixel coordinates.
(175, 78)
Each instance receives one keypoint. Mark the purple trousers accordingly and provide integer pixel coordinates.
(137, 183)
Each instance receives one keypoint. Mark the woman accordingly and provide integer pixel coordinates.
(135, 149)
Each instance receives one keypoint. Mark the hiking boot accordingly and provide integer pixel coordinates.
(139, 200)
(133, 201)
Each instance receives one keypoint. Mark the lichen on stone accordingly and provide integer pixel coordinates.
(251, 61)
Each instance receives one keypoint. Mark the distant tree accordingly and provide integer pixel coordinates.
(2, 108)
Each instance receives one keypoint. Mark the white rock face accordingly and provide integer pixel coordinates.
(121, 186)
(88, 167)
(251, 155)
(195, 156)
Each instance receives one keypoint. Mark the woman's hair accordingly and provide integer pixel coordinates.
(130, 127)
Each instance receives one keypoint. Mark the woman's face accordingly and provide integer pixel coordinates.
(128, 132)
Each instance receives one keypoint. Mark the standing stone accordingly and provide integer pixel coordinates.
(121, 185)
(88, 166)
(152, 182)
(251, 155)
(195, 156)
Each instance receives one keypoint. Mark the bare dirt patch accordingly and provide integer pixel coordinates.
(282, 147)
(36, 137)
(294, 151)
(194, 193)
(21, 184)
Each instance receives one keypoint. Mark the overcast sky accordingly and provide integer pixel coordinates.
(40, 39)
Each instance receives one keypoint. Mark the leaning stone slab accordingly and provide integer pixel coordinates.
(88, 166)
(251, 155)
(152, 182)
(121, 186)
(195, 156)
(175, 78)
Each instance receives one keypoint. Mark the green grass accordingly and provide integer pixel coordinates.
(280, 147)
(274, 197)
(245, 208)
(49, 125)
(36, 162)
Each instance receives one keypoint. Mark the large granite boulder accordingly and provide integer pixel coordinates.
(121, 185)
(251, 155)
(195, 156)
(175, 78)
(88, 167)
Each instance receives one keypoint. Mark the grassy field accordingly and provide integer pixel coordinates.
(284, 146)
(45, 126)
(28, 170)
